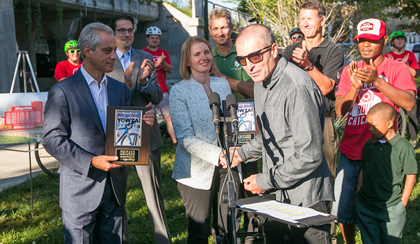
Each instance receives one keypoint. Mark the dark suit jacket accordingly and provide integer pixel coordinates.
(151, 94)
(73, 134)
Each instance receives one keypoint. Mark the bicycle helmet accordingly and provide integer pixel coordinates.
(70, 44)
(294, 31)
(397, 34)
(153, 30)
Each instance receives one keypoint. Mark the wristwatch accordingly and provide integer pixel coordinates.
(310, 67)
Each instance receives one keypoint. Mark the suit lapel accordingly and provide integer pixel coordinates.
(112, 100)
(119, 70)
(83, 90)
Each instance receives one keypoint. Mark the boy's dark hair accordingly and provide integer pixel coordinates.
(386, 111)
(314, 4)
(113, 21)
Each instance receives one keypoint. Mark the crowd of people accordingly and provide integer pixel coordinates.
(298, 93)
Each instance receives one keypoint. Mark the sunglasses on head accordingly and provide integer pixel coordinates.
(297, 37)
(254, 57)
(74, 50)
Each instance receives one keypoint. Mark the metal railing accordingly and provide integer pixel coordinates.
(239, 19)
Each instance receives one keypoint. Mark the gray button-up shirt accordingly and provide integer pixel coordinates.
(290, 115)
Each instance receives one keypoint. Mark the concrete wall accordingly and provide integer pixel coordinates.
(175, 25)
(176, 28)
(7, 45)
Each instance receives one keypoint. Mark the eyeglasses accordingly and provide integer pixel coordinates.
(74, 50)
(297, 37)
(122, 31)
(254, 57)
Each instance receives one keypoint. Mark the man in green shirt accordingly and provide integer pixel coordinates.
(220, 28)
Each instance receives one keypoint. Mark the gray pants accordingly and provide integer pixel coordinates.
(149, 176)
(103, 225)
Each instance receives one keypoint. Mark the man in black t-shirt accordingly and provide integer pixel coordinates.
(323, 61)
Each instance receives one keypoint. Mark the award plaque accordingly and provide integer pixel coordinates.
(127, 135)
(247, 121)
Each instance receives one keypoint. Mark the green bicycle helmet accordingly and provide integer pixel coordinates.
(397, 34)
(70, 44)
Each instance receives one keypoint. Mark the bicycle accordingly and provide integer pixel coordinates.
(132, 137)
(45, 161)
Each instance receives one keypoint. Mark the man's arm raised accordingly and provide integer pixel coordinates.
(242, 87)
(343, 104)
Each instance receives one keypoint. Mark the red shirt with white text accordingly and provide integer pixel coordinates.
(356, 132)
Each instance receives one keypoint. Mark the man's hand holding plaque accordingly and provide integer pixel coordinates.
(127, 136)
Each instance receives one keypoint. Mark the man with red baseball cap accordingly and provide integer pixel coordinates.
(363, 84)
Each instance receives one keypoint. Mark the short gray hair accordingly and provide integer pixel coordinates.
(262, 32)
(90, 36)
(221, 13)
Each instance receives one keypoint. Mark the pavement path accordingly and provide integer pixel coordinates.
(14, 166)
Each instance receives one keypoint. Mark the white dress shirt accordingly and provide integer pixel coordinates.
(99, 94)
(125, 58)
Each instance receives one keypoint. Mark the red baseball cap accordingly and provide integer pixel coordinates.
(371, 29)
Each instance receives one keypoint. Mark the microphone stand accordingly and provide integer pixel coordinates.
(231, 188)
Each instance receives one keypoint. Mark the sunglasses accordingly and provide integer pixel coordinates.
(254, 57)
(74, 50)
(297, 37)
(122, 31)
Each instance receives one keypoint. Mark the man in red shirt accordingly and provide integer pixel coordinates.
(399, 54)
(363, 84)
(68, 67)
(163, 65)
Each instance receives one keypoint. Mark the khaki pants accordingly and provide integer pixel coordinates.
(330, 146)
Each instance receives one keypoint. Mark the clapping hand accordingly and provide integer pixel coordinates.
(160, 60)
(145, 70)
(352, 70)
(300, 56)
(367, 75)
(128, 74)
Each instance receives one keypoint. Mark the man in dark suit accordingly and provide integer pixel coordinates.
(92, 188)
(135, 68)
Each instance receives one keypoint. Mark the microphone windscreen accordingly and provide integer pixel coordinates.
(214, 98)
(231, 100)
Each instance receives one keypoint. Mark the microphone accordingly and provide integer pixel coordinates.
(232, 106)
(214, 102)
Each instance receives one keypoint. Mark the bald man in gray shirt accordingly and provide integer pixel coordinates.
(290, 115)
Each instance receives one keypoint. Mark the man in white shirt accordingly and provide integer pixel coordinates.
(92, 188)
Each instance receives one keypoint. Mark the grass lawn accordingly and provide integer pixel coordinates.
(17, 225)
(15, 140)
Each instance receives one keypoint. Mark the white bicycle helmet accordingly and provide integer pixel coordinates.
(153, 30)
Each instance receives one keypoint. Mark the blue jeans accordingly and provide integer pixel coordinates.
(345, 190)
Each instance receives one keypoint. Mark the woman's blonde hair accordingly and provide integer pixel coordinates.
(186, 53)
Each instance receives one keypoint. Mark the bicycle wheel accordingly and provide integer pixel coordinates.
(401, 122)
(46, 162)
(133, 137)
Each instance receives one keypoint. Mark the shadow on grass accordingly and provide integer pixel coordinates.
(140, 228)
(412, 224)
